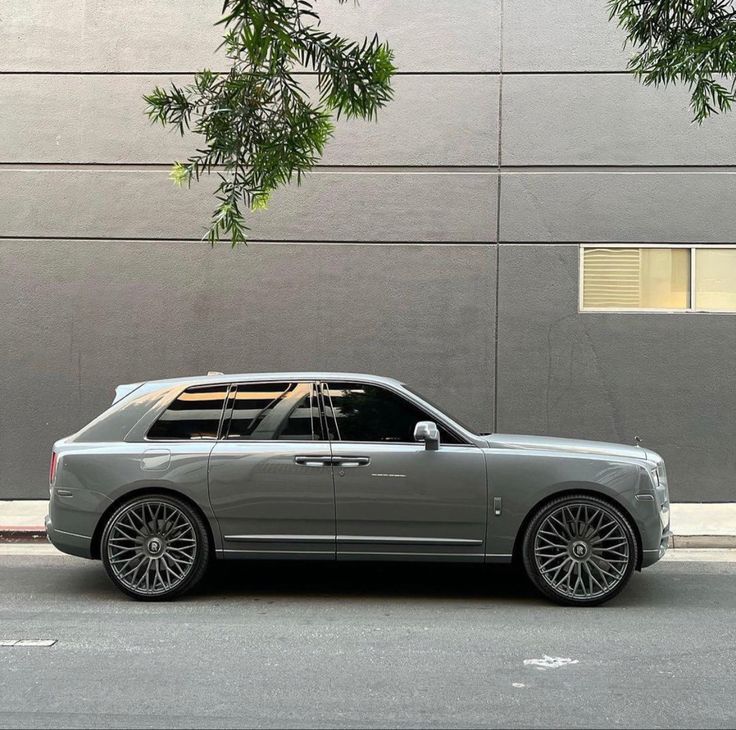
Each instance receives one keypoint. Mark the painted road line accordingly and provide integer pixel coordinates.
(549, 662)
(27, 642)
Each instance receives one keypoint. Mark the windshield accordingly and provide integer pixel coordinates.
(441, 409)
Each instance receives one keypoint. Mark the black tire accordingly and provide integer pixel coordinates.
(155, 547)
(579, 550)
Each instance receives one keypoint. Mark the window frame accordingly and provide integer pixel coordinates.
(692, 247)
(444, 422)
(227, 387)
(230, 386)
(229, 407)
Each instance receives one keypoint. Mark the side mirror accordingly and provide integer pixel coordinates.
(428, 432)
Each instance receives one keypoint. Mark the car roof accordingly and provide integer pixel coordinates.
(278, 376)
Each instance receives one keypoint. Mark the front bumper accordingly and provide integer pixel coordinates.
(68, 542)
(650, 557)
(652, 554)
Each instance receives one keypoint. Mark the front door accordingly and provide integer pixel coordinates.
(394, 498)
(270, 477)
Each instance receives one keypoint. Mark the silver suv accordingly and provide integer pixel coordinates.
(343, 466)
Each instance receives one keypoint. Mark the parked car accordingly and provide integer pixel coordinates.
(348, 467)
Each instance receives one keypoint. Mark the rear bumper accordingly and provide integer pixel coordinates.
(68, 542)
(73, 517)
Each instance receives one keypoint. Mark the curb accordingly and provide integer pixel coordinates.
(16, 533)
(715, 542)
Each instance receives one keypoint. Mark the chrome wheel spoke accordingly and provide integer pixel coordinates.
(582, 550)
(151, 547)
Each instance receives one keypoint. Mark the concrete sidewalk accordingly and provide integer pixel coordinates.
(710, 525)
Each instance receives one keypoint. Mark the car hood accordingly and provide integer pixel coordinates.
(570, 446)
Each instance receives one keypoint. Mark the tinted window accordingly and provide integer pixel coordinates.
(281, 411)
(194, 415)
(371, 413)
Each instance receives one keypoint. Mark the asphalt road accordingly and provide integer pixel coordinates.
(351, 645)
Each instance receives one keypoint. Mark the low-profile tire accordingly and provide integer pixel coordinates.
(579, 550)
(155, 547)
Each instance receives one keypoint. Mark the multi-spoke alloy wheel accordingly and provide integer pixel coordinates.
(155, 547)
(579, 550)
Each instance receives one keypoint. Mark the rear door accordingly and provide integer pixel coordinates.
(395, 498)
(270, 477)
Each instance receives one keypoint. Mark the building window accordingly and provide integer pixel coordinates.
(658, 278)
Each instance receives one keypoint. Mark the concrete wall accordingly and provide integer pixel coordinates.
(490, 166)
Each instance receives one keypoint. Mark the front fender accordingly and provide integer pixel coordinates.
(525, 480)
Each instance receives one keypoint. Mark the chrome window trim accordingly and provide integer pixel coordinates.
(231, 386)
(468, 438)
(278, 552)
(389, 553)
(432, 412)
(168, 405)
(394, 539)
(354, 539)
(279, 538)
(227, 418)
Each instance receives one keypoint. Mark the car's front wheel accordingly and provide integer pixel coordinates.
(155, 547)
(579, 550)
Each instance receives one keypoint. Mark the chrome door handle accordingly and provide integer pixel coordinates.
(349, 461)
(313, 460)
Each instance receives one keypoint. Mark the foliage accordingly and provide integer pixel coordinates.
(692, 42)
(261, 128)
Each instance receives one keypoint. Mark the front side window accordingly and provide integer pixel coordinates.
(371, 413)
(193, 416)
(683, 278)
(274, 411)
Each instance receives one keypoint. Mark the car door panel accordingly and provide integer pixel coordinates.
(410, 501)
(395, 498)
(270, 488)
(267, 502)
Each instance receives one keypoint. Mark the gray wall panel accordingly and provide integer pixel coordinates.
(433, 120)
(391, 206)
(665, 378)
(78, 118)
(109, 35)
(561, 35)
(672, 206)
(136, 203)
(81, 118)
(80, 317)
(160, 36)
(585, 119)
(329, 206)
(439, 35)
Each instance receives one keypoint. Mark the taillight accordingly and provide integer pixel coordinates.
(52, 468)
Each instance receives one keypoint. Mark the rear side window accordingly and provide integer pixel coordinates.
(193, 416)
(274, 411)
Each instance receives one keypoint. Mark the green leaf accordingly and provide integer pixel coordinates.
(179, 174)
(259, 126)
(686, 42)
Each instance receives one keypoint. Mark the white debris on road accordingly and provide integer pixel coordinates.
(549, 662)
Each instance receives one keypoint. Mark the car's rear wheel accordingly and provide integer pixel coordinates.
(155, 547)
(579, 550)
